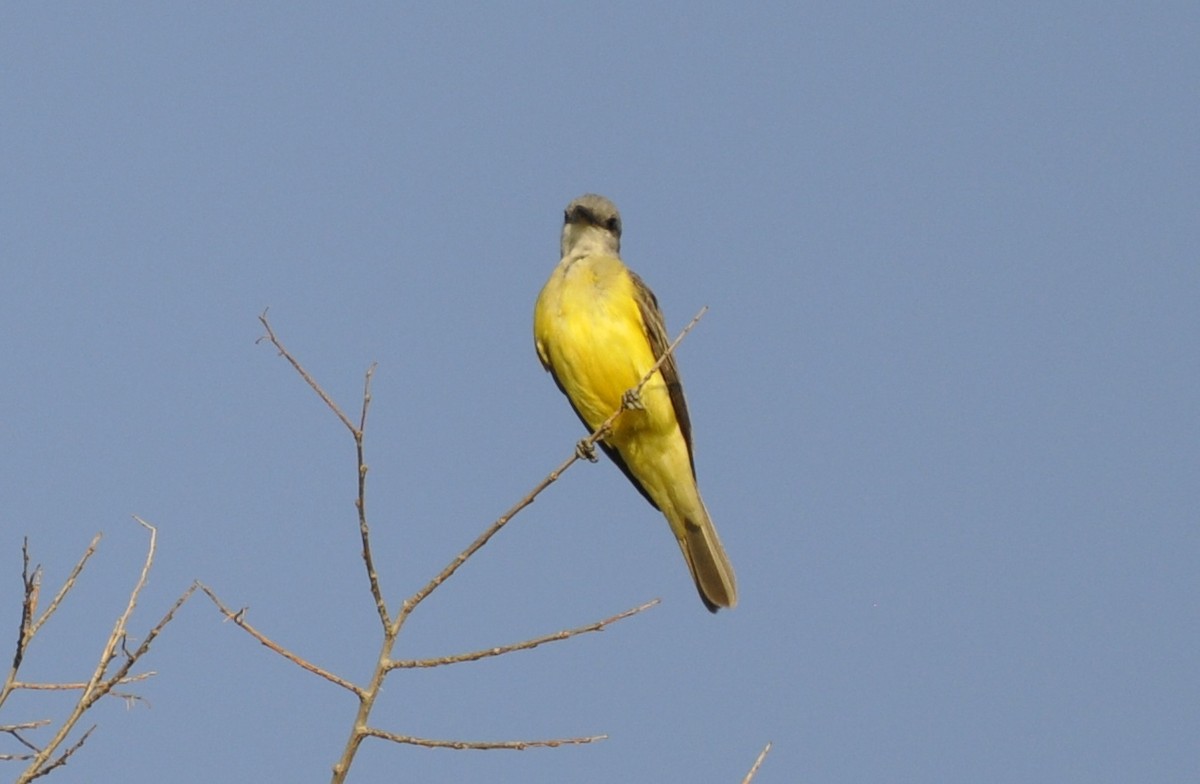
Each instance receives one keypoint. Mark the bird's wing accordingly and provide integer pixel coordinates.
(656, 332)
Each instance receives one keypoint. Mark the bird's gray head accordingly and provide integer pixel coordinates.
(591, 224)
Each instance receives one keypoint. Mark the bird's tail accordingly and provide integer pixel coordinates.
(707, 561)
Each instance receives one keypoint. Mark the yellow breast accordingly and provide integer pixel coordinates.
(589, 333)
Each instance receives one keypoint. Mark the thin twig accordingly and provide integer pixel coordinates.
(79, 684)
(66, 587)
(239, 618)
(364, 530)
(97, 686)
(270, 336)
(32, 585)
(15, 731)
(15, 757)
(25, 725)
(762, 755)
(62, 758)
(566, 634)
(515, 745)
(122, 674)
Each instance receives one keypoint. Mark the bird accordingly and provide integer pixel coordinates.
(598, 330)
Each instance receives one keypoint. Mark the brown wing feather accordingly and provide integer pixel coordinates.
(656, 331)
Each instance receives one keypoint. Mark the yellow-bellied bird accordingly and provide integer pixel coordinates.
(598, 329)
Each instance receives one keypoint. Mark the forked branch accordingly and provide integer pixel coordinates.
(368, 693)
(108, 674)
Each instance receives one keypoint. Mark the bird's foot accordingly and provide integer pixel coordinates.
(632, 401)
(586, 450)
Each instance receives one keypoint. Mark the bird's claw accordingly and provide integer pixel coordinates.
(586, 450)
(631, 400)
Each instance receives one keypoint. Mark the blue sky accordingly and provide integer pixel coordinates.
(944, 400)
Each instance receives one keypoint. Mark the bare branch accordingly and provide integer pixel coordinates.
(94, 689)
(151, 635)
(391, 626)
(240, 619)
(15, 731)
(270, 336)
(66, 587)
(102, 683)
(762, 755)
(364, 530)
(25, 725)
(30, 621)
(411, 603)
(358, 434)
(62, 758)
(79, 684)
(32, 584)
(120, 629)
(566, 634)
(515, 745)
(18, 757)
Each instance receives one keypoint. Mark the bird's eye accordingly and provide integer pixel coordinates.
(613, 225)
